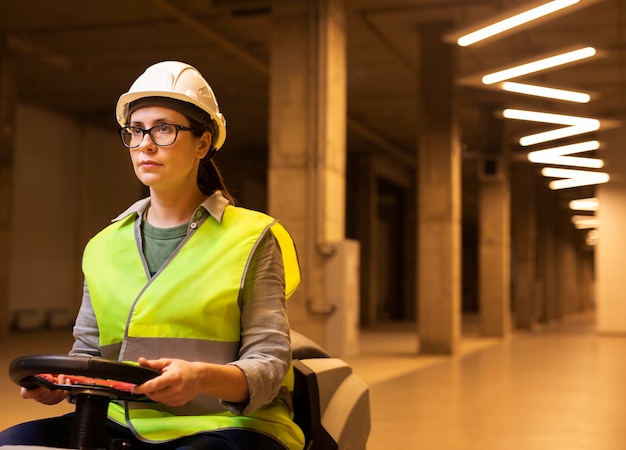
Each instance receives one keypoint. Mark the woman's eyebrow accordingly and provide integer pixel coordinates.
(136, 123)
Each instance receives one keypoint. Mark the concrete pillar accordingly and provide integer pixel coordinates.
(581, 270)
(587, 276)
(567, 281)
(367, 203)
(546, 256)
(582, 274)
(494, 230)
(439, 197)
(7, 144)
(610, 253)
(524, 243)
(307, 144)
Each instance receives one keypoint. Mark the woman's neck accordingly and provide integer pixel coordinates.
(168, 211)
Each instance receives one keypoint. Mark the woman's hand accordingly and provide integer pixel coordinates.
(44, 395)
(180, 381)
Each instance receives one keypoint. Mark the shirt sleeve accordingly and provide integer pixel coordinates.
(265, 353)
(86, 334)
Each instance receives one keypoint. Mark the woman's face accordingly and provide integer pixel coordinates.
(173, 167)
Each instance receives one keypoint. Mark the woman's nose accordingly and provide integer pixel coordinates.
(147, 144)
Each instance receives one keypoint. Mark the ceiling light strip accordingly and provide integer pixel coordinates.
(573, 178)
(546, 92)
(538, 116)
(514, 21)
(559, 133)
(577, 125)
(557, 155)
(585, 204)
(585, 222)
(539, 65)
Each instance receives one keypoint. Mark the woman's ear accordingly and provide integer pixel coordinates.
(204, 144)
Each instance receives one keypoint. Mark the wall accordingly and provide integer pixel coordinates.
(611, 249)
(69, 181)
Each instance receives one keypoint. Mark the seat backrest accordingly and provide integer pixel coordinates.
(306, 405)
(304, 348)
(331, 403)
(306, 398)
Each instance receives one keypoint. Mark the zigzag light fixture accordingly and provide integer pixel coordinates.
(586, 222)
(575, 125)
(509, 21)
(570, 178)
(557, 155)
(539, 65)
(546, 92)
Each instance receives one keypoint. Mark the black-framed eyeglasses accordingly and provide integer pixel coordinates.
(162, 134)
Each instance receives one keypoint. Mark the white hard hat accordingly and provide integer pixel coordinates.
(178, 81)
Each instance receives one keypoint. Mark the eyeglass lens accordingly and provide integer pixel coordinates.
(162, 134)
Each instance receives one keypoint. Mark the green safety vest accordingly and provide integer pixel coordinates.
(189, 310)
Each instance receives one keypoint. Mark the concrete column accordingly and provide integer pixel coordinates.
(610, 253)
(546, 256)
(581, 270)
(588, 279)
(567, 281)
(494, 230)
(307, 144)
(562, 254)
(582, 274)
(524, 243)
(439, 197)
(7, 144)
(367, 202)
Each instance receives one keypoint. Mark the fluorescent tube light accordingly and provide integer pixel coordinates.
(585, 204)
(514, 21)
(585, 222)
(559, 133)
(556, 155)
(573, 178)
(538, 116)
(542, 91)
(592, 237)
(577, 125)
(539, 65)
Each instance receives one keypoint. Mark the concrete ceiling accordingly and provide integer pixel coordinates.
(77, 57)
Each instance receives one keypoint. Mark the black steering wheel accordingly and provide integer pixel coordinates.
(108, 380)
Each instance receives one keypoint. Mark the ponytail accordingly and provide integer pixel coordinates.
(210, 179)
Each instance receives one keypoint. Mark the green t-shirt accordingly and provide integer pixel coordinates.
(160, 243)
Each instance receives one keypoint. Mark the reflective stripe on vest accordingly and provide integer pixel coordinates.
(188, 310)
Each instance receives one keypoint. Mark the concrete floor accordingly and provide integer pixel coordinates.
(561, 387)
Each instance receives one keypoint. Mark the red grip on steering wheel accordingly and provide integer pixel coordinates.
(77, 380)
(81, 372)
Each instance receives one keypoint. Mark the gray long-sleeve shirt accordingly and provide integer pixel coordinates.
(265, 351)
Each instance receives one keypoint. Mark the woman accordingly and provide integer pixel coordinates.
(188, 284)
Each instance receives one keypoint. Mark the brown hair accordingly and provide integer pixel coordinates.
(209, 176)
